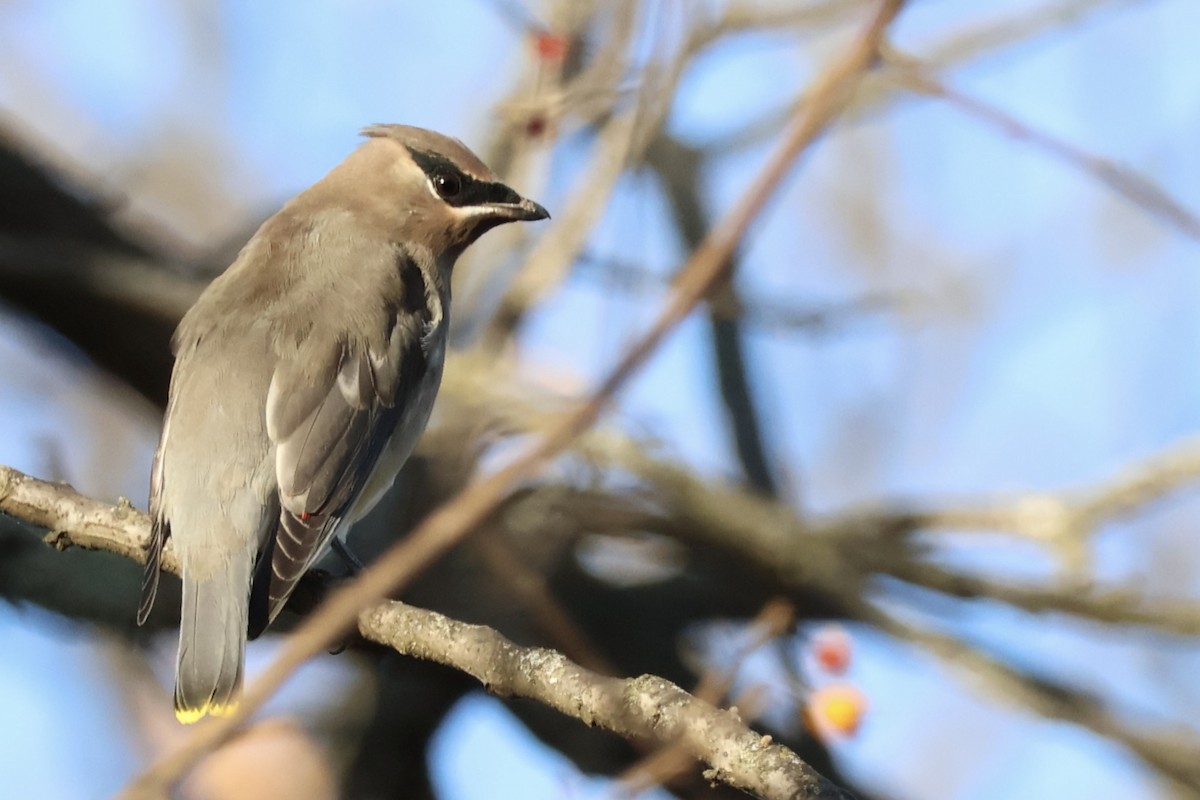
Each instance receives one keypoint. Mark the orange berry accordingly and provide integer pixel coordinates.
(835, 710)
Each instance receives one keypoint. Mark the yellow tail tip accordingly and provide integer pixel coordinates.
(189, 716)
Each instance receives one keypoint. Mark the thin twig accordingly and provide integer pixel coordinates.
(550, 258)
(836, 552)
(990, 39)
(772, 314)
(1026, 26)
(1106, 605)
(1171, 752)
(624, 137)
(1136, 188)
(1060, 517)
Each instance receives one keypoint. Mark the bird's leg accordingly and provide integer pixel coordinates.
(353, 564)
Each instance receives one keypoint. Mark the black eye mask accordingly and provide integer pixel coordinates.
(471, 191)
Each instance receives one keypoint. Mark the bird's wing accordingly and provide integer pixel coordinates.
(330, 413)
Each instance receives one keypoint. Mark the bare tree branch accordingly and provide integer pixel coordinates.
(678, 169)
(1113, 606)
(1025, 26)
(659, 767)
(1136, 188)
(838, 552)
(992, 38)
(1063, 518)
(765, 313)
(1171, 752)
(647, 707)
(625, 135)
(77, 521)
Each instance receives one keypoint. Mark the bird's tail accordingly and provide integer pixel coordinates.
(212, 642)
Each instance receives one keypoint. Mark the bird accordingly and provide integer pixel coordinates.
(304, 375)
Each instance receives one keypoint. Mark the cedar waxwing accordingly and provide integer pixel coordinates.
(304, 376)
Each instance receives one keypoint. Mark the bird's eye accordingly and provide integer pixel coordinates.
(447, 185)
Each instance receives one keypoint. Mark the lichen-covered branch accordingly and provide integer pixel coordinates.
(647, 707)
(77, 521)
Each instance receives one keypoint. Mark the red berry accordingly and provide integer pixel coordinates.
(833, 649)
(535, 126)
(550, 46)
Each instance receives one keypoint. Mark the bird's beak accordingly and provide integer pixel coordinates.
(523, 211)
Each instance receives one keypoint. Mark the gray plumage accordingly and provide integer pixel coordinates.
(304, 376)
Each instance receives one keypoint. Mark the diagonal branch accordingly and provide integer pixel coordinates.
(1131, 185)
(464, 512)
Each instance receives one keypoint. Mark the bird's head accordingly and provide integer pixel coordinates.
(432, 190)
